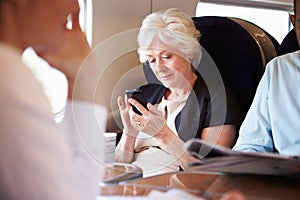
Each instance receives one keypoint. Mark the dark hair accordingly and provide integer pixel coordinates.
(295, 7)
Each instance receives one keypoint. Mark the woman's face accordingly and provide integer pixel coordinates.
(170, 67)
(42, 23)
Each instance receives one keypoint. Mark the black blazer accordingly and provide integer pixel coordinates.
(204, 107)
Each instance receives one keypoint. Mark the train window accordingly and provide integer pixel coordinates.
(276, 22)
(86, 18)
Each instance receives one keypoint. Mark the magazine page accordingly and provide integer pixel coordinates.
(216, 158)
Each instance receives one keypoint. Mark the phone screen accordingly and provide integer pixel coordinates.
(137, 95)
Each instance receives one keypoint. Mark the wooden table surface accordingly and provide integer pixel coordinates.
(210, 185)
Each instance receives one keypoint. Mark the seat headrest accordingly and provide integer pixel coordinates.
(289, 43)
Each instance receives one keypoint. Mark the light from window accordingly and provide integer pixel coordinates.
(86, 18)
(275, 22)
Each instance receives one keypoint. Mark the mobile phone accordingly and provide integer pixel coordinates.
(137, 95)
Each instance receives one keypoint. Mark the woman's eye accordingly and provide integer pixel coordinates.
(151, 60)
(166, 57)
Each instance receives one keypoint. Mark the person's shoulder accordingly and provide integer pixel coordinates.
(11, 63)
(12, 66)
(289, 61)
(9, 50)
(292, 56)
(17, 81)
(289, 56)
(9, 54)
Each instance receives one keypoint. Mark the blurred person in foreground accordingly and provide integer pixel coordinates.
(182, 107)
(40, 159)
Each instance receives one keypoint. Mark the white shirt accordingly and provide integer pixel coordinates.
(273, 119)
(38, 159)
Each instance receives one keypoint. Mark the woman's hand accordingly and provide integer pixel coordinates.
(151, 122)
(125, 148)
(124, 108)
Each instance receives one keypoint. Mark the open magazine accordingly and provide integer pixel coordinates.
(220, 159)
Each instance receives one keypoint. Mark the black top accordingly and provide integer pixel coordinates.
(289, 43)
(201, 110)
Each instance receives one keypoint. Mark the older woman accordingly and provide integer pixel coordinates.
(180, 108)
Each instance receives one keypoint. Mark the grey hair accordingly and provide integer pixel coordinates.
(174, 28)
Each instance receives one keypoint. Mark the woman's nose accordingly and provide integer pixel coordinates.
(159, 65)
